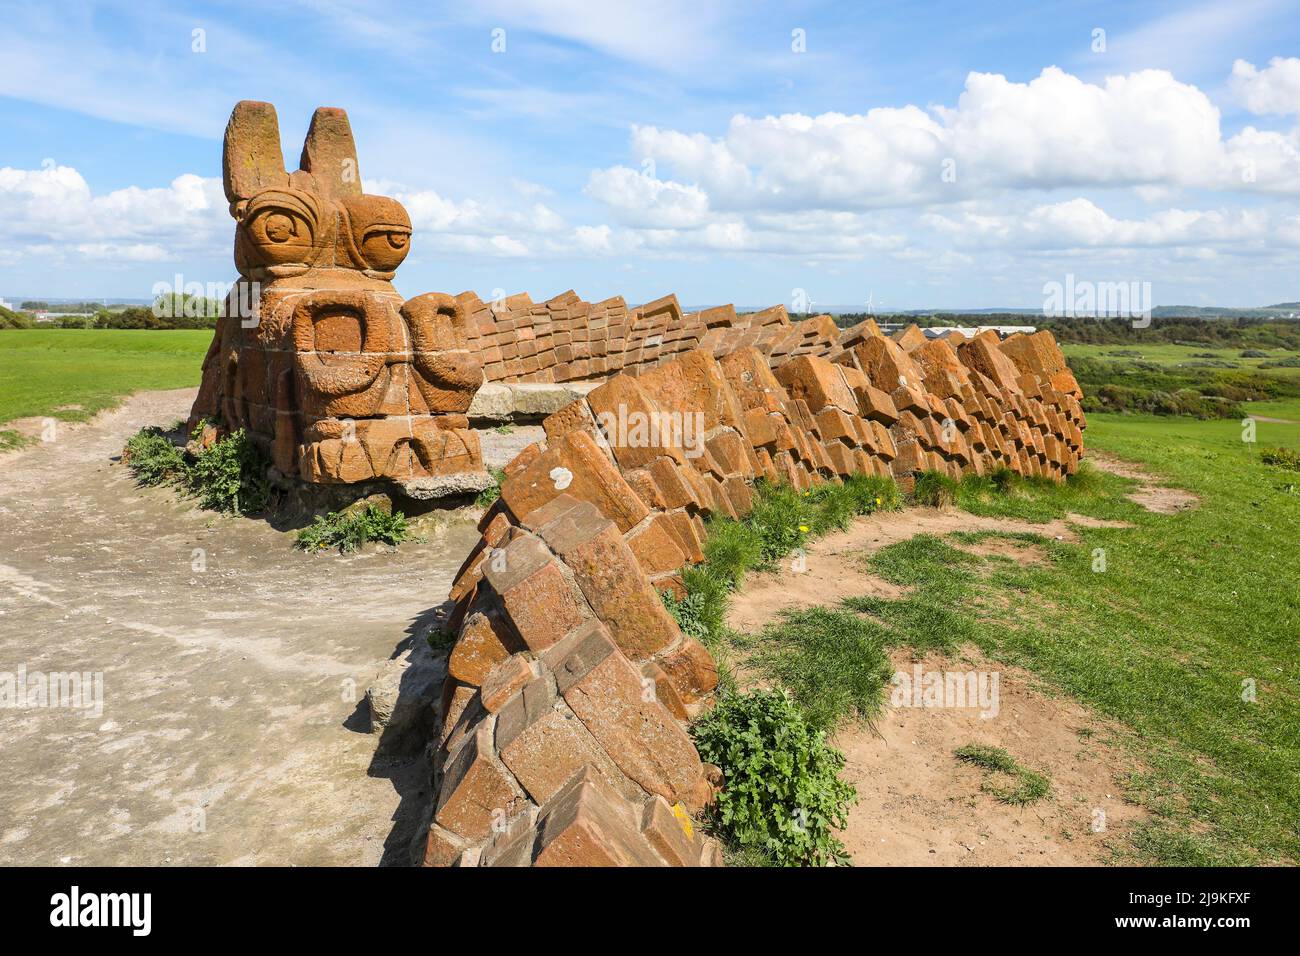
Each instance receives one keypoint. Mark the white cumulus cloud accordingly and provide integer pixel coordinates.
(1274, 89)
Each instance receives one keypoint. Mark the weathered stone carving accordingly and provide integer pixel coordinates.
(318, 357)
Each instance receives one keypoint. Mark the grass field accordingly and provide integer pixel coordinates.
(1190, 608)
(71, 374)
(1188, 357)
(1288, 408)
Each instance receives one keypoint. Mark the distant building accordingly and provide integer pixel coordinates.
(44, 316)
(936, 331)
(5, 304)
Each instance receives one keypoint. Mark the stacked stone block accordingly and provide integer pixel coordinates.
(563, 738)
(566, 339)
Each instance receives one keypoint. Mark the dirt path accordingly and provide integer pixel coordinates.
(230, 665)
(1151, 493)
(918, 804)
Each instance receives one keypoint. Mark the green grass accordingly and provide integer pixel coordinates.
(1285, 408)
(783, 800)
(1190, 608)
(229, 475)
(1022, 787)
(936, 490)
(781, 520)
(488, 496)
(832, 662)
(1185, 614)
(10, 439)
(1183, 356)
(71, 374)
(152, 457)
(349, 529)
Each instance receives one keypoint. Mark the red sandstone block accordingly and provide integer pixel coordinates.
(655, 680)
(739, 494)
(693, 383)
(691, 543)
(635, 427)
(586, 825)
(640, 736)
(656, 547)
(841, 458)
(816, 382)
(486, 639)
(675, 487)
(504, 680)
(607, 572)
(672, 832)
(574, 465)
(834, 423)
(762, 427)
(752, 381)
(911, 458)
(691, 668)
(475, 787)
(544, 745)
(729, 449)
(576, 416)
(442, 847)
(534, 593)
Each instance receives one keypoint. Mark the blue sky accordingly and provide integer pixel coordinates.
(926, 155)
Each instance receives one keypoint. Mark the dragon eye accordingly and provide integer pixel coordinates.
(279, 228)
(385, 247)
(281, 235)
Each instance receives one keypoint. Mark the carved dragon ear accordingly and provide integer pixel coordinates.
(329, 154)
(252, 160)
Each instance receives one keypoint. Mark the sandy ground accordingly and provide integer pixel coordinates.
(232, 674)
(918, 804)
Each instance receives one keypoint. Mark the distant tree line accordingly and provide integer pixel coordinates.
(1235, 332)
(57, 307)
(176, 311)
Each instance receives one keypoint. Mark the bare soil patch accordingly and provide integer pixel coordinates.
(1022, 552)
(1151, 493)
(919, 805)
